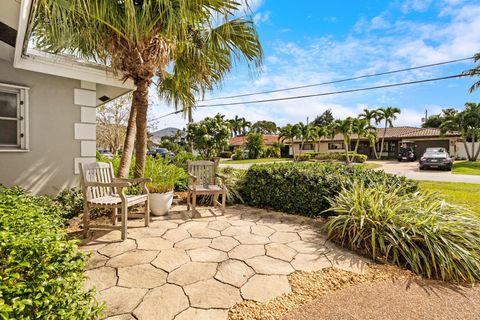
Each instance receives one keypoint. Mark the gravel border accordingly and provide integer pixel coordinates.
(307, 286)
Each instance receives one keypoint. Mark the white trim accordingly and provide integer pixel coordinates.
(77, 161)
(88, 85)
(85, 131)
(82, 97)
(88, 115)
(88, 148)
(14, 150)
(22, 117)
(61, 67)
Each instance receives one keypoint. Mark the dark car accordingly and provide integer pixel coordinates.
(160, 151)
(436, 158)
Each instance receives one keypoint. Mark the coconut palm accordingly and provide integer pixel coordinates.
(474, 72)
(236, 125)
(287, 133)
(387, 114)
(322, 132)
(305, 133)
(139, 39)
(346, 128)
(245, 126)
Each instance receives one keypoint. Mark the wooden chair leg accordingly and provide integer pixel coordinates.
(147, 212)
(86, 219)
(215, 200)
(115, 216)
(194, 200)
(188, 199)
(124, 221)
(224, 200)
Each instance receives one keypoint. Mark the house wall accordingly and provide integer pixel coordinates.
(461, 153)
(61, 131)
(323, 147)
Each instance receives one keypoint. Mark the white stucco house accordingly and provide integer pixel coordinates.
(47, 108)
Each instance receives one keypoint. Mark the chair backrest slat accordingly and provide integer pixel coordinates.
(96, 172)
(203, 170)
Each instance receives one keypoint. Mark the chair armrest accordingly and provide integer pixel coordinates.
(108, 184)
(134, 180)
(191, 176)
(221, 176)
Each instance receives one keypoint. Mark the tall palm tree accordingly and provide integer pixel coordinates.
(361, 127)
(474, 72)
(305, 132)
(139, 39)
(235, 125)
(370, 115)
(467, 123)
(322, 132)
(346, 128)
(388, 114)
(245, 126)
(287, 133)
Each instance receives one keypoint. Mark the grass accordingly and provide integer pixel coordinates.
(261, 160)
(454, 192)
(466, 167)
(371, 165)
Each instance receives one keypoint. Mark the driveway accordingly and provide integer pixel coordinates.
(410, 170)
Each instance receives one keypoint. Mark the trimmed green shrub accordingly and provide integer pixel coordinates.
(41, 271)
(303, 157)
(338, 156)
(225, 154)
(238, 155)
(272, 152)
(305, 188)
(414, 230)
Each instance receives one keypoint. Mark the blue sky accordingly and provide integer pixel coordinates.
(308, 42)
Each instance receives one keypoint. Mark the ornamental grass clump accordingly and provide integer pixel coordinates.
(41, 271)
(416, 230)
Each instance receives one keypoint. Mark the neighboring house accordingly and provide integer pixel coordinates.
(241, 141)
(47, 108)
(156, 137)
(422, 138)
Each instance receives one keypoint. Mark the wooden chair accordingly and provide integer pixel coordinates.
(102, 190)
(203, 181)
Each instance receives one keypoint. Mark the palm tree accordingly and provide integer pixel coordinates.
(361, 127)
(235, 125)
(467, 123)
(346, 128)
(370, 115)
(387, 114)
(474, 72)
(305, 132)
(139, 39)
(245, 126)
(288, 133)
(322, 132)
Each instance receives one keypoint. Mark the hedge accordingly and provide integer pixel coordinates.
(41, 271)
(338, 156)
(305, 188)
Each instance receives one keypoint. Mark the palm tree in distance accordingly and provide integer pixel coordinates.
(388, 114)
(361, 127)
(474, 72)
(346, 128)
(287, 133)
(305, 132)
(370, 115)
(139, 39)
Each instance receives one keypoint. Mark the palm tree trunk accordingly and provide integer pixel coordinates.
(475, 157)
(127, 152)
(346, 150)
(141, 134)
(190, 116)
(383, 140)
(466, 148)
(357, 144)
(473, 147)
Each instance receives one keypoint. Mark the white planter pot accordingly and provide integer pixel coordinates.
(160, 203)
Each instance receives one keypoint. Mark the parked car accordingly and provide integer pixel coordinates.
(407, 151)
(162, 152)
(436, 158)
(106, 153)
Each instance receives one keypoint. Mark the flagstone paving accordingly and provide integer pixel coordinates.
(198, 268)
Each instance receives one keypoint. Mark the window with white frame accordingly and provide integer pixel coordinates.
(13, 117)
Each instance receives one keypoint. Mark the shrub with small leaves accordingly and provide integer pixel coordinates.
(71, 201)
(306, 187)
(41, 271)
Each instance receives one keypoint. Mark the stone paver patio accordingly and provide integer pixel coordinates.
(198, 268)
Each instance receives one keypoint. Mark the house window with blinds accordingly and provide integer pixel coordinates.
(13, 118)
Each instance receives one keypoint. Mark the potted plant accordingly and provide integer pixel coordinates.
(164, 175)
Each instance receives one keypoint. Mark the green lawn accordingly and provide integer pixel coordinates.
(467, 194)
(466, 167)
(261, 160)
(371, 165)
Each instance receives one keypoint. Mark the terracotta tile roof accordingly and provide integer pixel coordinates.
(268, 139)
(400, 133)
